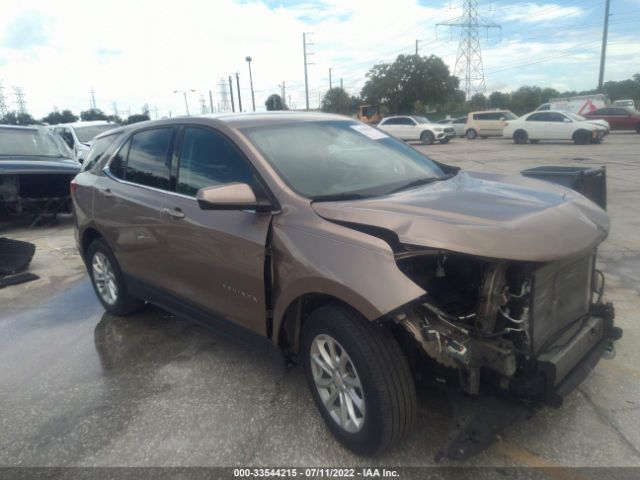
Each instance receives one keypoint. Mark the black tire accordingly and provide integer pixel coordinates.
(388, 389)
(582, 137)
(445, 140)
(471, 134)
(124, 303)
(534, 140)
(427, 138)
(520, 137)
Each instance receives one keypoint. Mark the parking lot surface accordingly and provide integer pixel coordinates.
(79, 387)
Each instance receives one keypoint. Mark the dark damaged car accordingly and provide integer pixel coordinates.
(358, 257)
(36, 169)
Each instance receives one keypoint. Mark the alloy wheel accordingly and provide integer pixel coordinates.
(104, 278)
(337, 383)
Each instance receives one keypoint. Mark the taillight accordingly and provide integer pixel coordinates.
(73, 186)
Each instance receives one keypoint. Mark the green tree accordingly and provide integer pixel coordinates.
(336, 100)
(526, 99)
(477, 102)
(547, 94)
(499, 100)
(137, 117)
(15, 118)
(275, 102)
(93, 114)
(410, 78)
(65, 116)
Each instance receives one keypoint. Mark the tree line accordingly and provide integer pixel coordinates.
(67, 116)
(415, 84)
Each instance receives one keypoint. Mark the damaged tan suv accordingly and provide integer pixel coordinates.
(354, 254)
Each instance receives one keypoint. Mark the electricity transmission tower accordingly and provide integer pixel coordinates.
(20, 101)
(468, 66)
(223, 105)
(3, 101)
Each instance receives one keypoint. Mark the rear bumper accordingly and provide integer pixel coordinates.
(566, 363)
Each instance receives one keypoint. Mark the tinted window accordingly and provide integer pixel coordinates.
(406, 121)
(149, 160)
(555, 117)
(618, 111)
(207, 159)
(538, 117)
(116, 167)
(391, 121)
(98, 151)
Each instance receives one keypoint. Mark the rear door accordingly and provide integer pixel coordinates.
(216, 258)
(390, 125)
(535, 125)
(407, 128)
(128, 199)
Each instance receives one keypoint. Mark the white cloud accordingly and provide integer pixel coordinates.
(532, 13)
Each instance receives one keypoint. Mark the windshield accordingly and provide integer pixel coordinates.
(86, 134)
(509, 115)
(340, 158)
(30, 142)
(421, 119)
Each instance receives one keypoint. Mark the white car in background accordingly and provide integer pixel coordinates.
(553, 125)
(78, 136)
(410, 127)
(458, 125)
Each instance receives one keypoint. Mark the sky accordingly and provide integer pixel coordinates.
(131, 53)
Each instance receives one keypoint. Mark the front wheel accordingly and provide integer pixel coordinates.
(427, 138)
(108, 281)
(471, 134)
(520, 137)
(359, 379)
(582, 137)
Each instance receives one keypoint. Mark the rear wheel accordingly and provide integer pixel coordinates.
(108, 281)
(582, 137)
(427, 138)
(520, 137)
(359, 379)
(471, 134)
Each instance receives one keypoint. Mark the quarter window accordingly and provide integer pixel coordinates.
(116, 167)
(99, 148)
(209, 159)
(149, 160)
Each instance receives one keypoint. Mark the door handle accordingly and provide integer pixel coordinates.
(173, 213)
(106, 193)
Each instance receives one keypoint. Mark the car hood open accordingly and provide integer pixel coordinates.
(489, 215)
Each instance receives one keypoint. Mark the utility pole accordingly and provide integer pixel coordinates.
(203, 104)
(114, 105)
(186, 102)
(468, 66)
(253, 98)
(605, 33)
(305, 44)
(233, 106)
(330, 85)
(20, 101)
(93, 100)
(239, 97)
(341, 86)
(417, 46)
(3, 101)
(211, 101)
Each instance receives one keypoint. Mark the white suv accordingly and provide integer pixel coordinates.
(78, 136)
(416, 128)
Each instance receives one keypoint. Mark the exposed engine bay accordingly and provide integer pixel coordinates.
(522, 327)
(36, 193)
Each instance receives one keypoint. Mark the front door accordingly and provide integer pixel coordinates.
(216, 258)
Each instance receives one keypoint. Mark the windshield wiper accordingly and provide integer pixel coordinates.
(420, 181)
(336, 197)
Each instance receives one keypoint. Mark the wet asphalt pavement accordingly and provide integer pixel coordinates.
(81, 388)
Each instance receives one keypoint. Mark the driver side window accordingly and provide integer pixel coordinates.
(208, 158)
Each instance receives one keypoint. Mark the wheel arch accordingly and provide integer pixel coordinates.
(89, 234)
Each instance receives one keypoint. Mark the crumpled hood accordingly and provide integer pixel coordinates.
(489, 215)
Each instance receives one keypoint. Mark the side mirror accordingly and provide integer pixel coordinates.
(232, 196)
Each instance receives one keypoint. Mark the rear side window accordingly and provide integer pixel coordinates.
(207, 159)
(149, 159)
(101, 148)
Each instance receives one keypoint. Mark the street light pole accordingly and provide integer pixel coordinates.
(253, 99)
(184, 94)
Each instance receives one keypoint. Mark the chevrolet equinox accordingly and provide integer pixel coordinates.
(353, 253)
